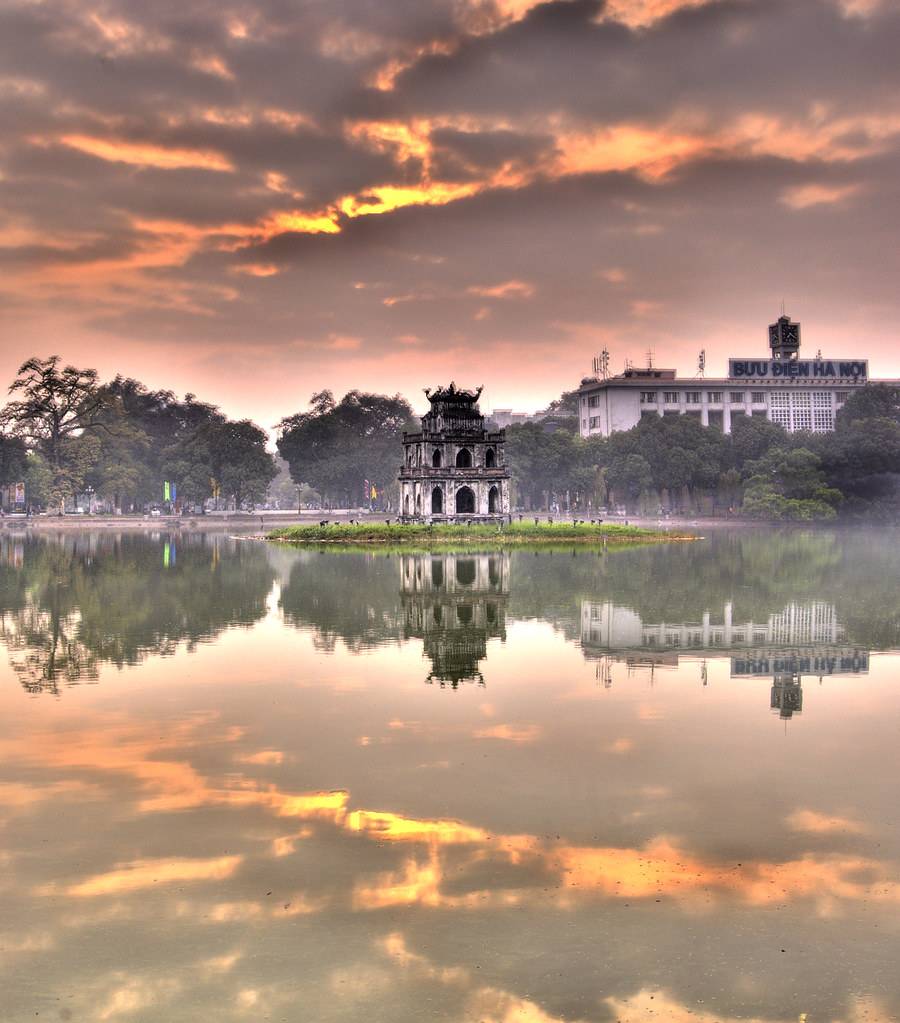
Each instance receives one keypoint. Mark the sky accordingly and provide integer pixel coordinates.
(253, 201)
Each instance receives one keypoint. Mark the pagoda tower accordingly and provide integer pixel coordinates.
(454, 470)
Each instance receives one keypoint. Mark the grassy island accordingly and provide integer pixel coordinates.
(511, 535)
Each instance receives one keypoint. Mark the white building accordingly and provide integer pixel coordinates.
(795, 393)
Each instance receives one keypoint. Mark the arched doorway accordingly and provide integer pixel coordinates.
(465, 501)
(464, 459)
(418, 504)
(490, 459)
(436, 459)
(437, 501)
(493, 501)
(406, 505)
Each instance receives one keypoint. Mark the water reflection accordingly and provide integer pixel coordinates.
(282, 821)
(455, 604)
(800, 639)
(71, 602)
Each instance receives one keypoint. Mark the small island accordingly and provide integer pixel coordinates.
(512, 534)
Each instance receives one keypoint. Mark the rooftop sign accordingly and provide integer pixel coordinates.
(813, 369)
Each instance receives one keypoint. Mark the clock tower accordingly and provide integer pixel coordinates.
(784, 339)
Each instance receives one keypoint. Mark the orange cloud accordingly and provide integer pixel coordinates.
(800, 197)
(386, 198)
(508, 289)
(256, 269)
(146, 154)
(651, 152)
(644, 13)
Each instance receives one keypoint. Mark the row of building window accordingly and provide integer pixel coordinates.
(694, 397)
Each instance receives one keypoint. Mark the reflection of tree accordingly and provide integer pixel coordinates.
(455, 603)
(347, 597)
(77, 601)
(757, 572)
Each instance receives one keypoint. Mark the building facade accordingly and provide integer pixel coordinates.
(454, 470)
(797, 394)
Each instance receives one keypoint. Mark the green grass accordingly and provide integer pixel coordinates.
(426, 536)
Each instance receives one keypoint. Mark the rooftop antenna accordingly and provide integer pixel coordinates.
(649, 358)
(701, 362)
(600, 364)
(782, 307)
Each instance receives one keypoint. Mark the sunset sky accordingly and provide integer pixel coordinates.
(253, 201)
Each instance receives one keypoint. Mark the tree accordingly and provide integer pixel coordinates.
(56, 412)
(630, 476)
(875, 401)
(335, 446)
(13, 460)
(789, 484)
(239, 460)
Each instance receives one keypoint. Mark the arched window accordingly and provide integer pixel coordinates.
(464, 614)
(418, 504)
(406, 505)
(490, 459)
(465, 501)
(493, 501)
(437, 501)
(436, 458)
(464, 459)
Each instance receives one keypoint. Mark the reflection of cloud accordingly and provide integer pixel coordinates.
(394, 827)
(148, 873)
(649, 1004)
(265, 756)
(823, 824)
(510, 733)
(622, 745)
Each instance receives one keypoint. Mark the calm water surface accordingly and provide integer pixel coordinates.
(246, 782)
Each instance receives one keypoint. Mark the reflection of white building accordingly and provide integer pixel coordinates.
(455, 603)
(606, 625)
(801, 639)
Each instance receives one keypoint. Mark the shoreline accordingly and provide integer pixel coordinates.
(426, 537)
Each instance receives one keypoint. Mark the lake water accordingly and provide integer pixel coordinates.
(242, 781)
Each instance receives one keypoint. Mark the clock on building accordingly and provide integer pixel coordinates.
(784, 338)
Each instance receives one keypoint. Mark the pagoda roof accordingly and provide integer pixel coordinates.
(453, 394)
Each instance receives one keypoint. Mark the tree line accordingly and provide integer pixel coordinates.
(65, 433)
(674, 464)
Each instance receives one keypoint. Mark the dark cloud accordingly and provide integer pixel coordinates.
(365, 193)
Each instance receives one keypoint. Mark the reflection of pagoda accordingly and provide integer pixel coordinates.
(455, 603)
(800, 639)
